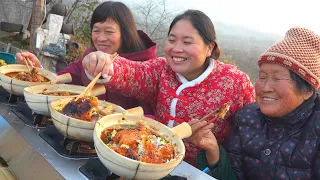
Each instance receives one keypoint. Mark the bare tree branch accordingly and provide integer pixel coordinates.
(152, 16)
(161, 21)
(71, 10)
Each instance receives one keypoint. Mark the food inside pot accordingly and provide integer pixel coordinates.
(57, 93)
(139, 143)
(85, 108)
(33, 76)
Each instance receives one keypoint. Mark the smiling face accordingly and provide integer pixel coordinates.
(276, 94)
(186, 51)
(106, 36)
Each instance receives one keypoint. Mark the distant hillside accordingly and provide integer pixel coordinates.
(243, 45)
(240, 30)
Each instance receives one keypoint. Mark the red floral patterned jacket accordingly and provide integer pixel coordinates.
(176, 100)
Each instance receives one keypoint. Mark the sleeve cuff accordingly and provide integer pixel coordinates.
(202, 160)
(100, 81)
(214, 166)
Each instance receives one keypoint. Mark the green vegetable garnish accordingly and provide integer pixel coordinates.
(108, 137)
(132, 126)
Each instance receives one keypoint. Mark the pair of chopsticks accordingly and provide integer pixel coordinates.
(94, 81)
(27, 61)
(219, 113)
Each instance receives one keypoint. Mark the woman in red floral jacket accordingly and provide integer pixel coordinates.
(188, 83)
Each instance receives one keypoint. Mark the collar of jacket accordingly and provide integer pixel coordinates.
(295, 119)
(199, 79)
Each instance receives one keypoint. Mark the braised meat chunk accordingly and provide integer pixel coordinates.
(82, 109)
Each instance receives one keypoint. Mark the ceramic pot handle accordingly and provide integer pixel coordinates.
(61, 79)
(183, 130)
(98, 90)
(137, 111)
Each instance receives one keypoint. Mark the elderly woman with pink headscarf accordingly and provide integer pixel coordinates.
(278, 137)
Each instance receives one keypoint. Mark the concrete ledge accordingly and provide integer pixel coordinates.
(6, 174)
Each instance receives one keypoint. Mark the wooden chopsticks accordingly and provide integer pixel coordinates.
(94, 81)
(114, 56)
(208, 115)
(27, 61)
(219, 113)
(89, 87)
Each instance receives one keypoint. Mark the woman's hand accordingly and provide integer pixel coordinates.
(96, 62)
(35, 61)
(203, 137)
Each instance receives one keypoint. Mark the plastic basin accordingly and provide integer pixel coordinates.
(8, 57)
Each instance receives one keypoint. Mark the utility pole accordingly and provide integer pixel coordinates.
(36, 20)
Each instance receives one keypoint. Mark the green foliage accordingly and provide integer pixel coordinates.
(23, 44)
(83, 35)
(82, 18)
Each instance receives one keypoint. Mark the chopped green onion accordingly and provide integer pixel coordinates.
(108, 136)
(132, 126)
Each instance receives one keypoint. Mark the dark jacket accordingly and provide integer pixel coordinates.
(79, 77)
(261, 148)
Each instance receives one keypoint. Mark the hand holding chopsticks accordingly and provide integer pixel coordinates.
(27, 61)
(96, 62)
(94, 81)
(23, 57)
(203, 137)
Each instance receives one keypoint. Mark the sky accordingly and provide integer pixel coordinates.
(273, 16)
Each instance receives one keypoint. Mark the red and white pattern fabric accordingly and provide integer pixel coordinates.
(176, 100)
(299, 51)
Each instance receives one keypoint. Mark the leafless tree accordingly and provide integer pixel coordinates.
(80, 10)
(73, 7)
(153, 17)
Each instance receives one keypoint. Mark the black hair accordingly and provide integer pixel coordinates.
(203, 24)
(122, 15)
(301, 84)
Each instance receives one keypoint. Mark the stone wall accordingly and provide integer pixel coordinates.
(16, 11)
